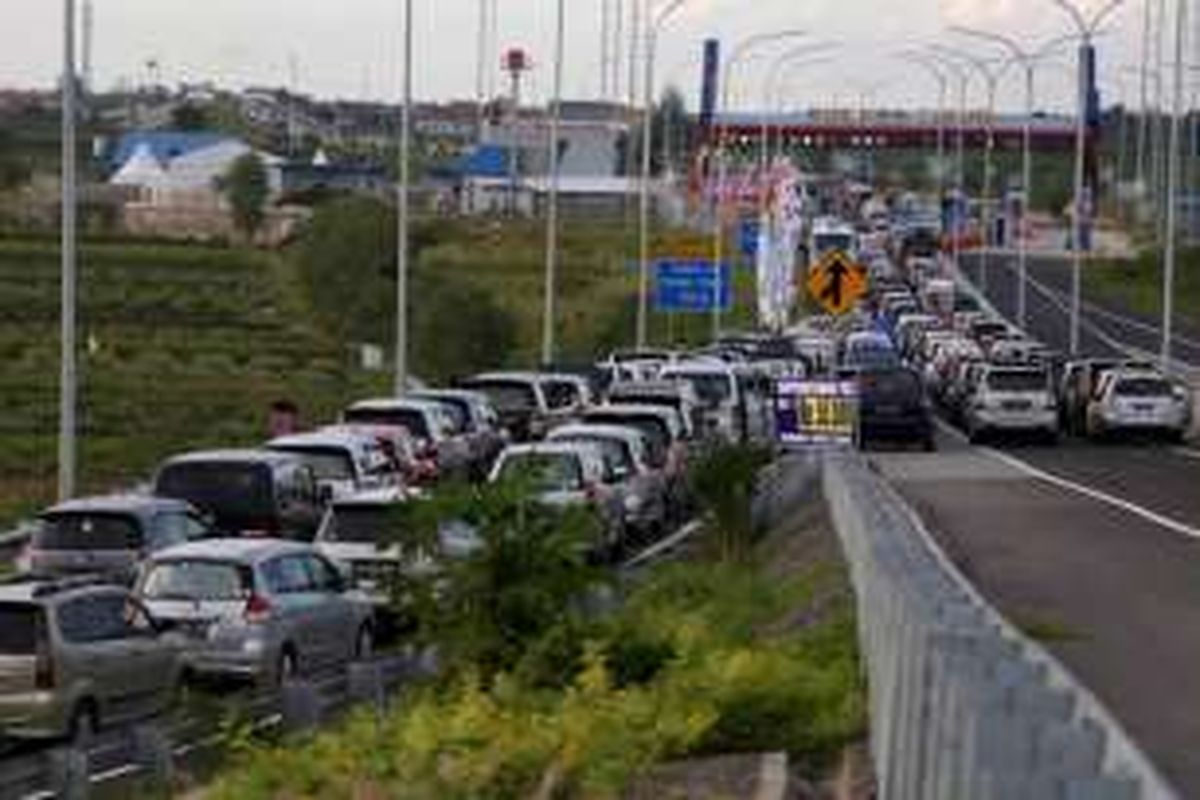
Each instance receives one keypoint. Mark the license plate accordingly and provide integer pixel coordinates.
(1143, 409)
(1016, 405)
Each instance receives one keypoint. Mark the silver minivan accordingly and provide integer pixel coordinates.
(263, 610)
(76, 656)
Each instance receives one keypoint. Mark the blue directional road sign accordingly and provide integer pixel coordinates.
(687, 285)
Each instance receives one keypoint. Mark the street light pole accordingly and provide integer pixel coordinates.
(737, 55)
(402, 201)
(771, 88)
(1086, 29)
(776, 100)
(1028, 61)
(1173, 187)
(940, 77)
(652, 32)
(68, 388)
(552, 194)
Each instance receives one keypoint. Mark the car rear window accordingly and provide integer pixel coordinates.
(711, 388)
(655, 431)
(327, 463)
(507, 395)
(891, 384)
(88, 532)
(226, 489)
(1143, 387)
(549, 472)
(410, 419)
(197, 579)
(1018, 381)
(20, 624)
(360, 523)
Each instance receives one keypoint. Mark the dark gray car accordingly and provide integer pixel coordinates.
(110, 535)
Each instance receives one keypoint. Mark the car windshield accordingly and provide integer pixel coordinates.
(358, 523)
(327, 463)
(197, 579)
(410, 419)
(19, 623)
(1017, 381)
(508, 396)
(712, 388)
(824, 242)
(871, 353)
(655, 432)
(87, 531)
(1143, 387)
(614, 452)
(548, 472)
(229, 490)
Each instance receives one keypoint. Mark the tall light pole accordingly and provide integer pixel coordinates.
(739, 52)
(402, 210)
(1143, 134)
(481, 58)
(1028, 59)
(1087, 29)
(964, 83)
(1173, 186)
(777, 98)
(771, 87)
(652, 31)
(552, 164)
(939, 77)
(991, 78)
(68, 388)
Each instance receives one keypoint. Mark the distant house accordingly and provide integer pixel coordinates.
(172, 185)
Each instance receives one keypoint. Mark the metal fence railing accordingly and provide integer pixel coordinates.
(962, 704)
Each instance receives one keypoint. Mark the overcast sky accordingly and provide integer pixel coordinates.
(350, 48)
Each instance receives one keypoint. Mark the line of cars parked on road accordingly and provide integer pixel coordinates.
(262, 564)
(920, 344)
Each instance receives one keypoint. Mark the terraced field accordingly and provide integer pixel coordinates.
(182, 347)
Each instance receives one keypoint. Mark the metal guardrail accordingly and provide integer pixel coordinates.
(962, 704)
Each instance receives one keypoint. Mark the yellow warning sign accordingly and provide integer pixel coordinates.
(837, 283)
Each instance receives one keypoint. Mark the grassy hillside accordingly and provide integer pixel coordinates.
(1137, 284)
(185, 346)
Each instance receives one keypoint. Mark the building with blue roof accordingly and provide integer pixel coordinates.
(165, 146)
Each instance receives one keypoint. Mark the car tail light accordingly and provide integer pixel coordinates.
(592, 491)
(43, 666)
(258, 609)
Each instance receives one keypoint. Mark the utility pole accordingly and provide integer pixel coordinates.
(68, 359)
(1173, 186)
(552, 193)
(402, 201)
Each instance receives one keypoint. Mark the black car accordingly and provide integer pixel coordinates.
(894, 407)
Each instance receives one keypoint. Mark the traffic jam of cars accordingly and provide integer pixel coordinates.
(921, 344)
(263, 565)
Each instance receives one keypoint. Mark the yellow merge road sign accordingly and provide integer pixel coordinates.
(837, 283)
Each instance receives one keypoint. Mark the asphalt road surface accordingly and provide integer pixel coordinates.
(1098, 546)
(1107, 329)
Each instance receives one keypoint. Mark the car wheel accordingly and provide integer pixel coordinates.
(929, 444)
(84, 724)
(364, 644)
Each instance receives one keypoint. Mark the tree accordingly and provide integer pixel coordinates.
(190, 117)
(245, 185)
(527, 574)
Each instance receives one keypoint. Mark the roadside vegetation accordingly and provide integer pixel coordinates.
(185, 345)
(559, 682)
(1136, 285)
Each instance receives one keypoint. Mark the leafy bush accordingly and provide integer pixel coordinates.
(724, 483)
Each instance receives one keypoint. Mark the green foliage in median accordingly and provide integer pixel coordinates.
(693, 662)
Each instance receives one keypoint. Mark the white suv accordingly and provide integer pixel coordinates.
(1012, 399)
(1138, 400)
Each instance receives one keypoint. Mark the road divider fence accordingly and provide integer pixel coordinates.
(963, 705)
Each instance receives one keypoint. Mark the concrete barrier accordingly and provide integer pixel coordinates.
(962, 704)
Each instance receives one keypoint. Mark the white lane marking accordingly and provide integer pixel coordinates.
(1186, 452)
(1095, 494)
